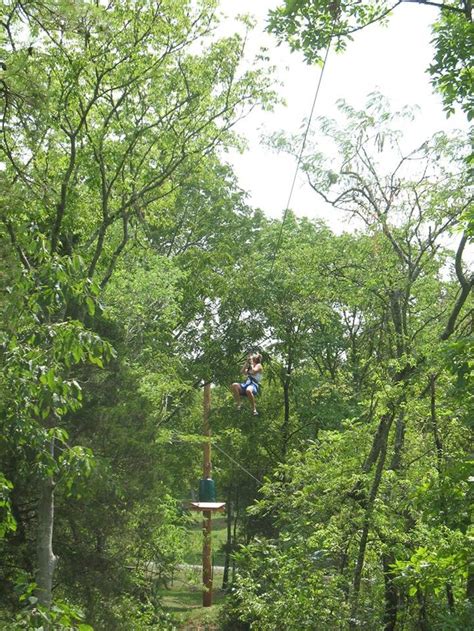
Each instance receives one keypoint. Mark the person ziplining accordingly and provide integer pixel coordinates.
(253, 366)
(250, 387)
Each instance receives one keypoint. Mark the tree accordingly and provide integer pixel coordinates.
(345, 506)
(106, 111)
(301, 324)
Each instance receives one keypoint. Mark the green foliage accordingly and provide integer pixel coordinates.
(39, 353)
(311, 26)
(376, 509)
(291, 590)
(61, 616)
(134, 270)
(458, 360)
(112, 119)
(452, 71)
(7, 521)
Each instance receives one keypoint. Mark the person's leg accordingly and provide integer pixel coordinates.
(236, 392)
(251, 397)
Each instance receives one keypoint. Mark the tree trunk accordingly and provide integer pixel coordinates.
(450, 597)
(45, 557)
(286, 405)
(378, 443)
(423, 624)
(234, 531)
(470, 582)
(440, 467)
(387, 422)
(228, 544)
(286, 421)
(390, 593)
(399, 442)
(434, 427)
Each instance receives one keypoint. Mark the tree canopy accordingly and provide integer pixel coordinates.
(134, 270)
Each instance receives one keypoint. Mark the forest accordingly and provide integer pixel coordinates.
(134, 270)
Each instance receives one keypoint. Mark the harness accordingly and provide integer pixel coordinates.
(254, 382)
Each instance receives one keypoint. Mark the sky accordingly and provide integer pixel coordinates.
(391, 59)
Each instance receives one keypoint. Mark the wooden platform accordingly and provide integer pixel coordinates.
(210, 506)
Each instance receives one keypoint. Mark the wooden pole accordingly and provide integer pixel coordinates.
(206, 468)
(207, 515)
(207, 558)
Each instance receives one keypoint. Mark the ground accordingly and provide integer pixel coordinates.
(184, 598)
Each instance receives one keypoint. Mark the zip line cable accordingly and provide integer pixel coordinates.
(303, 144)
(280, 235)
(237, 463)
(285, 213)
(177, 441)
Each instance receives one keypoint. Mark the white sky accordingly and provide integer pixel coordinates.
(391, 59)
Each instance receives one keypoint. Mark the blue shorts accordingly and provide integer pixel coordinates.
(248, 384)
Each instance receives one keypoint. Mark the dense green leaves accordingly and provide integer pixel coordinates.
(375, 508)
(311, 26)
(451, 70)
(133, 270)
(111, 121)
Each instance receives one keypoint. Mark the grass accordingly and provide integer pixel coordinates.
(219, 537)
(184, 600)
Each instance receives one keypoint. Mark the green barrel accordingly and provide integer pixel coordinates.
(207, 490)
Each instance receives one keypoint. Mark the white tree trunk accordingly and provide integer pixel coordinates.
(45, 557)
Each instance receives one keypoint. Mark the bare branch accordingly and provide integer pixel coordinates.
(16, 246)
(116, 254)
(466, 289)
